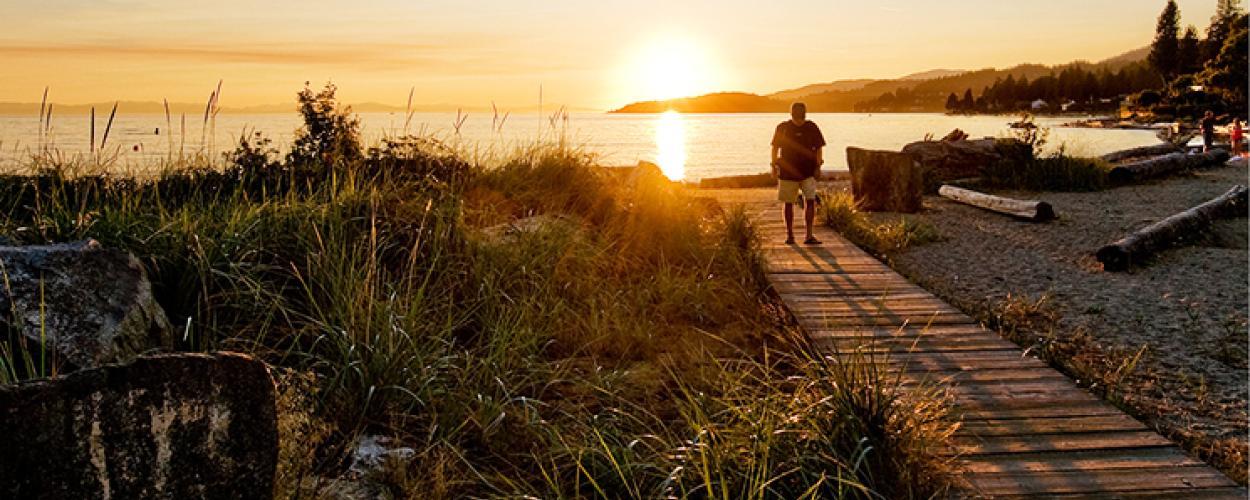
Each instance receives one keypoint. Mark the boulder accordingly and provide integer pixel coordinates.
(91, 305)
(885, 181)
(950, 160)
(165, 426)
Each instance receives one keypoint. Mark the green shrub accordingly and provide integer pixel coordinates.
(330, 135)
(1057, 172)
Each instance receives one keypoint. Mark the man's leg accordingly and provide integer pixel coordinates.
(809, 218)
(809, 211)
(789, 216)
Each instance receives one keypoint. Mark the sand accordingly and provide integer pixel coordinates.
(1188, 306)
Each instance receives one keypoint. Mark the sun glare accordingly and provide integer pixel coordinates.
(672, 68)
(670, 144)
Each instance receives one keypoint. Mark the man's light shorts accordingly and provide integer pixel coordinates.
(788, 191)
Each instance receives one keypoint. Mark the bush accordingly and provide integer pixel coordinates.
(330, 135)
(1057, 172)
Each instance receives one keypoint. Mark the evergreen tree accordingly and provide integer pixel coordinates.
(1190, 52)
(1222, 24)
(952, 103)
(968, 104)
(1007, 94)
(1226, 75)
(1165, 50)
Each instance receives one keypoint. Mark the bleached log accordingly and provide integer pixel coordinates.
(1037, 211)
(1173, 231)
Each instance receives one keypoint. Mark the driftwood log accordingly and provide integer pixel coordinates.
(1037, 211)
(955, 135)
(1155, 150)
(1172, 231)
(944, 160)
(1163, 165)
(885, 181)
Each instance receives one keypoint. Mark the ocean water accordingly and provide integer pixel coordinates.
(691, 146)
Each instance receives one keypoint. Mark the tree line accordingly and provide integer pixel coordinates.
(1086, 89)
(1165, 83)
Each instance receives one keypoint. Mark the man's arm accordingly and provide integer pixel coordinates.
(773, 163)
(820, 160)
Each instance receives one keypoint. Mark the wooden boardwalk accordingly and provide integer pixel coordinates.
(1027, 429)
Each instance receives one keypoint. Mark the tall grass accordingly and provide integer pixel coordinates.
(1057, 172)
(880, 237)
(541, 327)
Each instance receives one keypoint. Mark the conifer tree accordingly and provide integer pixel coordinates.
(1165, 50)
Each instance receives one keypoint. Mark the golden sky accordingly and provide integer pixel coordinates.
(587, 54)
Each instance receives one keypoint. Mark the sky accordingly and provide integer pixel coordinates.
(597, 54)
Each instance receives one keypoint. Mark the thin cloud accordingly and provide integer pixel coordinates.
(440, 58)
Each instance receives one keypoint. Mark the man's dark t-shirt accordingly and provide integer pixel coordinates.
(798, 144)
(1208, 126)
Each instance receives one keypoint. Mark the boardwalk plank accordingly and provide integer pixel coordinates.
(1078, 460)
(1117, 480)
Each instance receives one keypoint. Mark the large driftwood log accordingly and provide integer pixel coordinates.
(1163, 165)
(948, 160)
(1037, 211)
(1154, 150)
(1172, 231)
(885, 180)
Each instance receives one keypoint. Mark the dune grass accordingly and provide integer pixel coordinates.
(540, 327)
(1057, 172)
(882, 237)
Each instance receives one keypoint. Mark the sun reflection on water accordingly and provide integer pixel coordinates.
(670, 144)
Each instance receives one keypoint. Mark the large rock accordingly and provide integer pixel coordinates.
(92, 305)
(166, 426)
(885, 181)
(949, 160)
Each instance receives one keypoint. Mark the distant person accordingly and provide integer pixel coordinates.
(1236, 136)
(797, 155)
(1208, 131)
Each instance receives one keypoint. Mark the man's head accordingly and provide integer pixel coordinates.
(1210, 114)
(798, 112)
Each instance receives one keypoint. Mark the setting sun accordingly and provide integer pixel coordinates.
(671, 68)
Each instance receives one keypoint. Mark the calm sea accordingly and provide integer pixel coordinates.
(687, 146)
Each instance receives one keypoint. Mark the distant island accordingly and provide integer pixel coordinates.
(930, 91)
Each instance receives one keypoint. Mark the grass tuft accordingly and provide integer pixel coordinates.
(881, 238)
(1051, 173)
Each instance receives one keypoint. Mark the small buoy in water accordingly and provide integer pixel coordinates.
(136, 148)
(158, 131)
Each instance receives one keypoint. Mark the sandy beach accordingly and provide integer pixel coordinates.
(1185, 311)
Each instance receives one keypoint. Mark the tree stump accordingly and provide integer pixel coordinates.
(168, 426)
(885, 181)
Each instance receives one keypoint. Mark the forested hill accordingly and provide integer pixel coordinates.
(911, 95)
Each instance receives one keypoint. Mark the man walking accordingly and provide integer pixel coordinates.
(798, 153)
(1208, 130)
